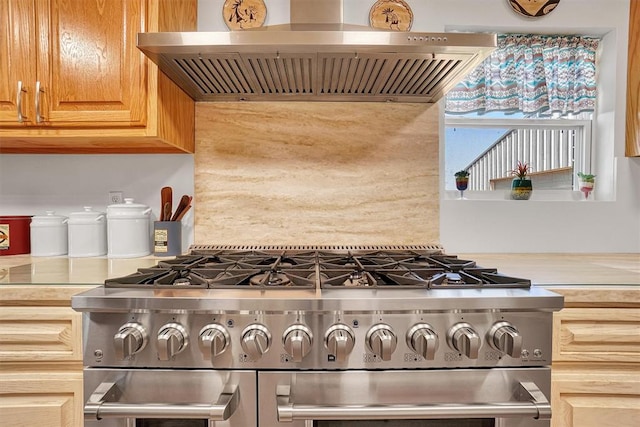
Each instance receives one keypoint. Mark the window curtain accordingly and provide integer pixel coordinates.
(531, 74)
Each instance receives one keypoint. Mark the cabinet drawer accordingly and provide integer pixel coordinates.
(596, 335)
(29, 334)
(41, 399)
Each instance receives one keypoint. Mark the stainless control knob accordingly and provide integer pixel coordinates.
(297, 340)
(172, 339)
(214, 340)
(382, 341)
(339, 340)
(423, 340)
(504, 337)
(464, 339)
(256, 340)
(130, 339)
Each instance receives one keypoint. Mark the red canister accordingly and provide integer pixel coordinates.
(15, 235)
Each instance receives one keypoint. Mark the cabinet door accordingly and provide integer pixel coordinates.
(41, 398)
(591, 396)
(17, 61)
(633, 82)
(89, 68)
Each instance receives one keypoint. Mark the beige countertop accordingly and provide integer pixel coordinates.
(565, 269)
(541, 269)
(585, 280)
(27, 270)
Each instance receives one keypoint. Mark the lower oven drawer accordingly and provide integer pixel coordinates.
(169, 398)
(462, 398)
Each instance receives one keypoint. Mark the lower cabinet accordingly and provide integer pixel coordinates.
(596, 361)
(43, 396)
(590, 396)
(40, 357)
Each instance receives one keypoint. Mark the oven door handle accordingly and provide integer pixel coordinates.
(531, 403)
(103, 404)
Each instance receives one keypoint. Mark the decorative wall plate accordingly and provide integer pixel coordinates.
(394, 15)
(243, 14)
(533, 8)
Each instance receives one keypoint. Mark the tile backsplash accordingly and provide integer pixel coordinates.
(316, 173)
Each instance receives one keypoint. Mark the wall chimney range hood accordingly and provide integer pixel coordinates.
(316, 58)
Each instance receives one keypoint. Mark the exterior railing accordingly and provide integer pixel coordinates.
(546, 145)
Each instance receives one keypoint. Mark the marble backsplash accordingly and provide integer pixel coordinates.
(316, 173)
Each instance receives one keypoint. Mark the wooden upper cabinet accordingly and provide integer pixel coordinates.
(88, 65)
(17, 61)
(74, 62)
(85, 86)
(632, 147)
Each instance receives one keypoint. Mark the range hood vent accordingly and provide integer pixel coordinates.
(313, 60)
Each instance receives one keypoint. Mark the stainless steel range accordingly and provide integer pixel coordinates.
(320, 336)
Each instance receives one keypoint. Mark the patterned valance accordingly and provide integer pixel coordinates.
(531, 74)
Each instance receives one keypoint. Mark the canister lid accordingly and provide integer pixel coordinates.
(16, 218)
(50, 218)
(128, 209)
(86, 216)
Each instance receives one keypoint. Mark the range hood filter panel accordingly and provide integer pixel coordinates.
(406, 77)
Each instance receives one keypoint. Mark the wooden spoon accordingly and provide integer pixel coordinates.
(166, 196)
(184, 204)
(167, 212)
(184, 211)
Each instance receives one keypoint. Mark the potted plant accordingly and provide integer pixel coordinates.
(521, 186)
(586, 181)
(462, 181)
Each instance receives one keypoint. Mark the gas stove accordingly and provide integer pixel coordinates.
(256, 293)
(271, 316)
(325, 268)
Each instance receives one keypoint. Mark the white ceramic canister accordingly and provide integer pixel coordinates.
(49, 234)
(128, 230)
(87, 233)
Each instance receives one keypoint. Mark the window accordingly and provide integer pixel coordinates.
(530, 101)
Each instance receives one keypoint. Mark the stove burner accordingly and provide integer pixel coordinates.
(393, 278)
(270, 278)
(458, 280)
(357, 279)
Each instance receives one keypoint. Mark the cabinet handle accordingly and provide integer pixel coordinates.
(21, 117)
(38, 90)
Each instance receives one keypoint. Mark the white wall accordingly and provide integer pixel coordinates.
(546, 223)
(609, 224)
(31, 184)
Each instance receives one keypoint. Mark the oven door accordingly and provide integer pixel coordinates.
(438, 398)
(169, 398)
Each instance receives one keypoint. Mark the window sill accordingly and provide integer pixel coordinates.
(536, 196)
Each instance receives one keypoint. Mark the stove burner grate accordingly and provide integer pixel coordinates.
(158, 278)
(308, 270)
(376, 278)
